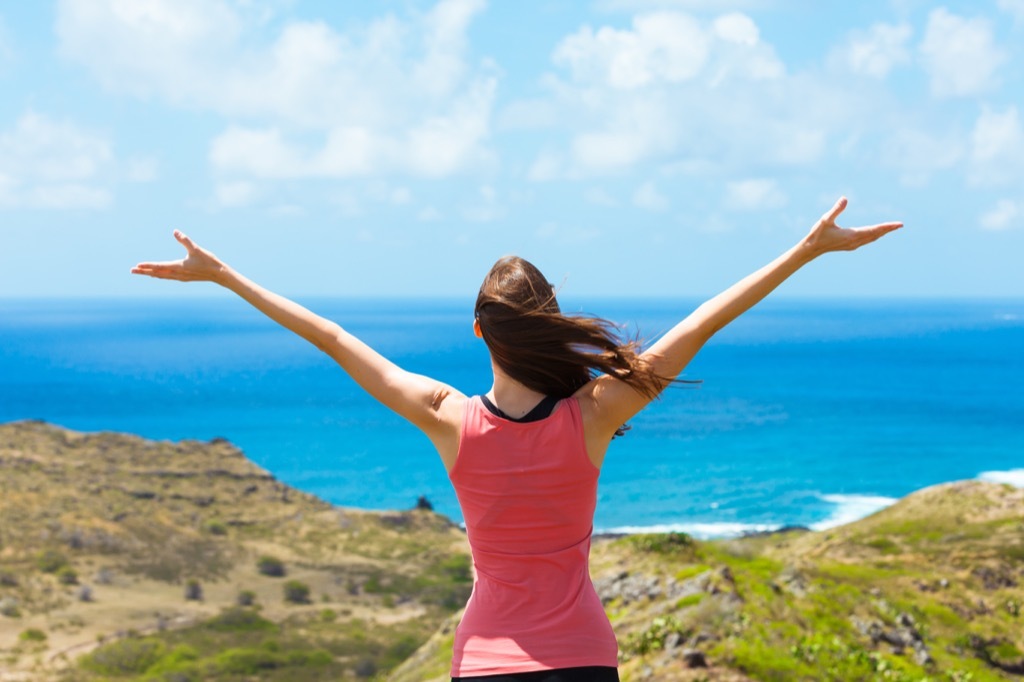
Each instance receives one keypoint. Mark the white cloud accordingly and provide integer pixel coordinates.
(754, 194)
(235, 194)
(1014, 8)
(667, 48)
(661, 47)
(877, 51)
(394, 96)
(997, 147)
(142, 169)
(917, 154)
(50, 164)
(599, 197)
(428, 214)
(649, 198)
(960, 55)
(1003, 216)
(674, 89)
(688, 5)
(485, 208)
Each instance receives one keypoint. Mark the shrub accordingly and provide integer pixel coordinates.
(239, 620)
(32, 635)
(85, 593)
(366, 668)
(50, 561)
(124, 657)
(216, 528)
(246, 598)
(67, 575)
(296, 592)
(8, 579)
(662, 543)
(193, 590)
(271, 566)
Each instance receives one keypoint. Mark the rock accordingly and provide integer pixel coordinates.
(694, 658)
(672, 641)
(994, 578)
(628, 588)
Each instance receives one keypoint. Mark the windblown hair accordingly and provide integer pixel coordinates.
(549, 352)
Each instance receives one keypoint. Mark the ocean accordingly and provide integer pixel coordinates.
(810, 412)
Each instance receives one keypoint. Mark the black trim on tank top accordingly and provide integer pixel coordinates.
(541, 410)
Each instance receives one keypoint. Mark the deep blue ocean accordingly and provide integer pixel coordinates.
(811, 412)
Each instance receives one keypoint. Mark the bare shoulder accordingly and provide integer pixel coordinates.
(448, 407)
(448, 404)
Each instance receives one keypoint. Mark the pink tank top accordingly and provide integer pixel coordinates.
(528, 492)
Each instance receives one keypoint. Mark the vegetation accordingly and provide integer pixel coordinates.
(929, 589)
(296, 592)
(272, 566)
(145, 523)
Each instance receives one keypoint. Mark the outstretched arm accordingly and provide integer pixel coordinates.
(417, 398)
(612, 402)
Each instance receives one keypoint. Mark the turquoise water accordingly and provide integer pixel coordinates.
(810, 412)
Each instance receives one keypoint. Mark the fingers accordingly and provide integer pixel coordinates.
(866, 235)
(831, 215)
(168, 270)
(185, 241)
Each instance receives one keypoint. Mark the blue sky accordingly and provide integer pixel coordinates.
(628, 147)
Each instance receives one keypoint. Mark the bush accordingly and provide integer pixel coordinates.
(8, 579)
(32, 635)
(662, 543)
(271, 566)
(246, 598)
(50, 561)
(216, 528)
(193, 590)
(125, 657)
(67, 576)
(239, 620)
(296, 592)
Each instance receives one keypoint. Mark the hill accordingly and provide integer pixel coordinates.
(128, 559)
(106, 537)
(931, 588)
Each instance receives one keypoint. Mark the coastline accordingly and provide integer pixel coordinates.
(111, 528)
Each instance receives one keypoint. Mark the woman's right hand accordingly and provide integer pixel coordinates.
(199, 265)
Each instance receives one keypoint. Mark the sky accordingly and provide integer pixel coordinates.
(642, 148)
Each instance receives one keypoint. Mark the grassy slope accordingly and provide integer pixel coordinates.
(136, 520)
(930, 589)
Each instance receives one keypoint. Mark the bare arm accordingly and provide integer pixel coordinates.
(417, 398)
(609, 402)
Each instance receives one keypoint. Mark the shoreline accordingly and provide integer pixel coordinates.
(848, 507)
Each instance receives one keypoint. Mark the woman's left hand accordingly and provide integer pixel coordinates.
(826, 236)
(199, 265)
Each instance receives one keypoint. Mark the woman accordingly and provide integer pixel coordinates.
(524, 459)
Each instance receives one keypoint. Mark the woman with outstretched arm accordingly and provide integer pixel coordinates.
(524, 458)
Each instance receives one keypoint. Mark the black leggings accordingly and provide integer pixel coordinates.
(591, 673)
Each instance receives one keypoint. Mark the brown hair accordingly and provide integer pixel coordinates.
(549, 352)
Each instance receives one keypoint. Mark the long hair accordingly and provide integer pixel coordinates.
(546, 351)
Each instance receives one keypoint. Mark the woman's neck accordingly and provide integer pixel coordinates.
(511, 397)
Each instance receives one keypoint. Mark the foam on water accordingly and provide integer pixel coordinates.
(850, 508)
(701, 531)
(1014, 477)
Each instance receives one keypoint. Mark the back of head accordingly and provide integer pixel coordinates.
(535, 344)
